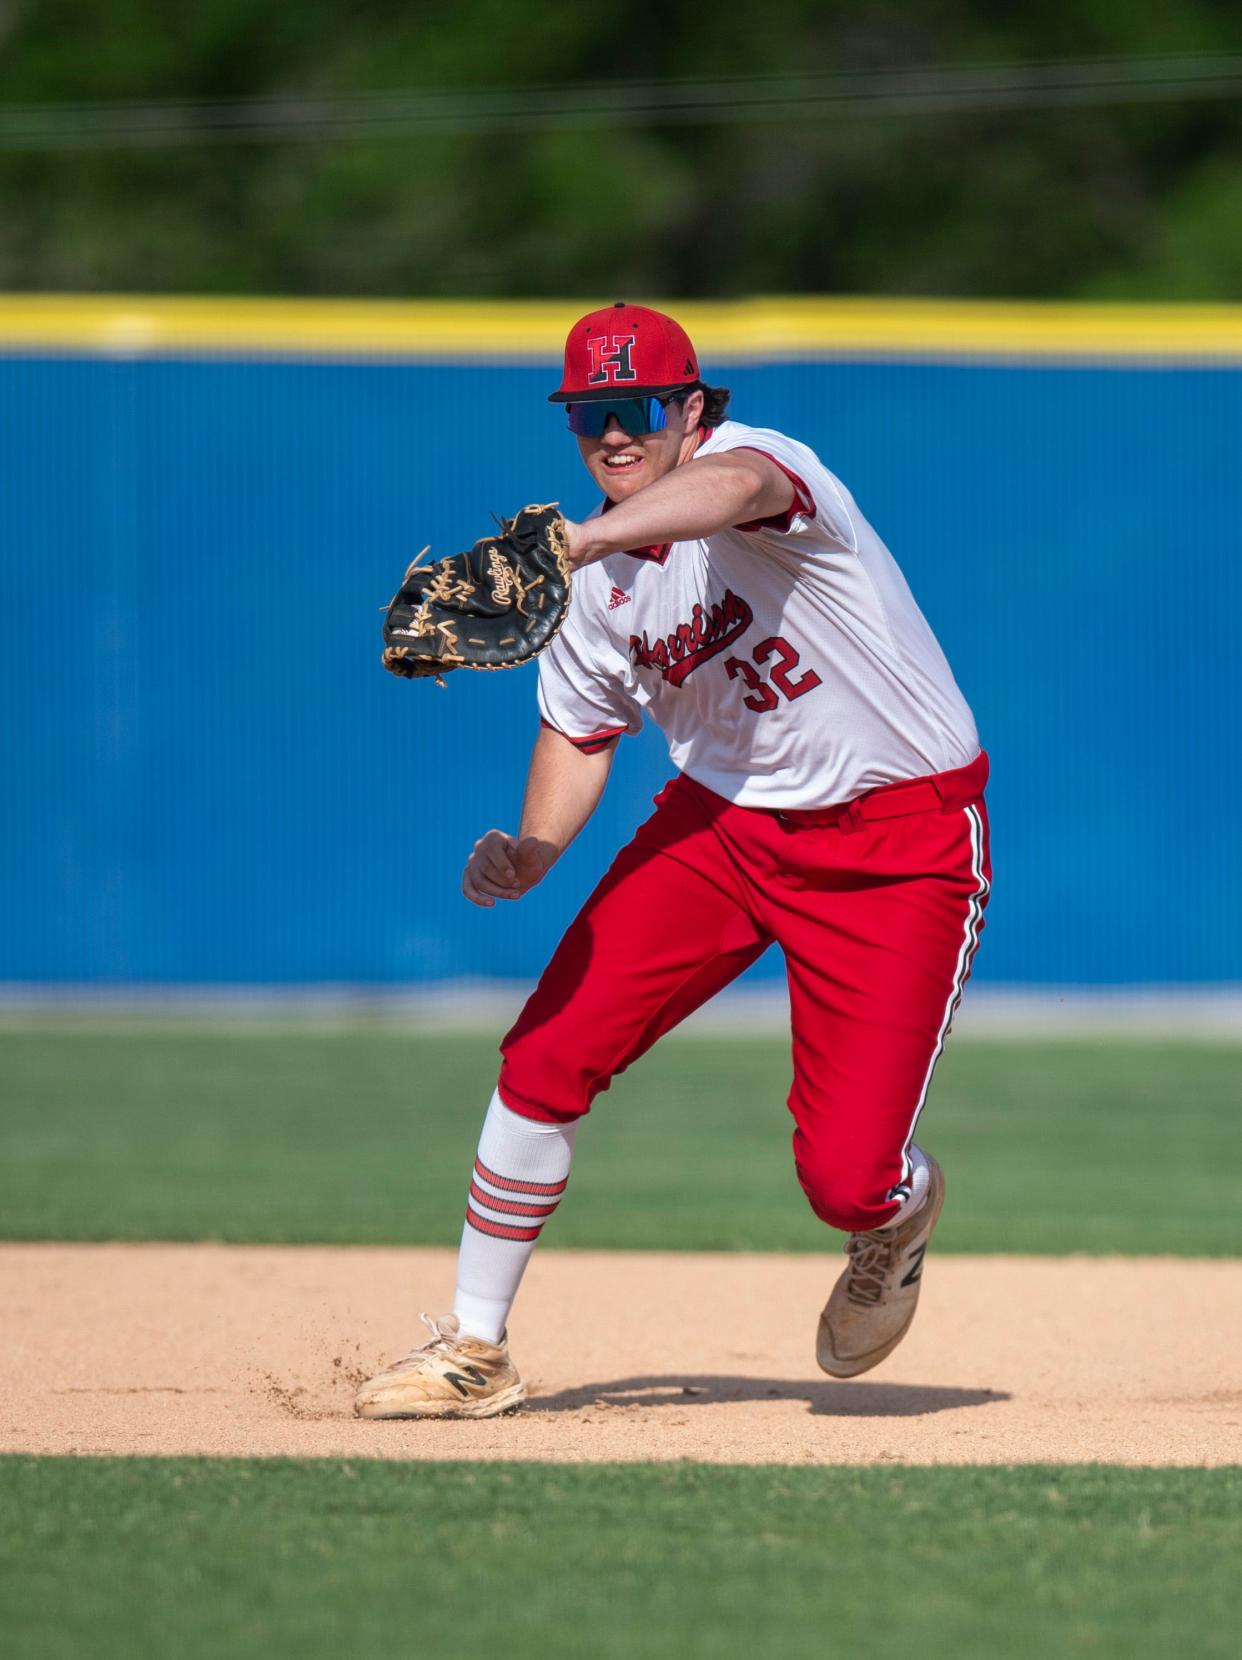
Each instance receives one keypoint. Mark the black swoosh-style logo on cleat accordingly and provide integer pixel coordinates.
(917, 1255)
(462, 1380)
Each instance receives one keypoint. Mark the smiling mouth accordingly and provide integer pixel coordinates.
(621, 463)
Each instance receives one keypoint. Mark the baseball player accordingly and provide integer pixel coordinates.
(828, 798)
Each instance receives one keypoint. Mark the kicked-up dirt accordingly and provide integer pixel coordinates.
(252, 1351)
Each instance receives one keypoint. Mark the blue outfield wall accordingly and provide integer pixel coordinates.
(208, 778)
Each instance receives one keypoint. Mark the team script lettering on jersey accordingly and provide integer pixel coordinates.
(691, 644)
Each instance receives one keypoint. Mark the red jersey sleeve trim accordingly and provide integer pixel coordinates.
(594, 742)
(803, 501)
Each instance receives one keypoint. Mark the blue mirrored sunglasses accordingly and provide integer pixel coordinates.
(635, 416)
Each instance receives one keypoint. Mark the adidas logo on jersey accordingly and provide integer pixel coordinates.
(617, 597)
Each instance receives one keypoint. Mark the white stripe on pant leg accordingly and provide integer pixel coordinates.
(965, 955)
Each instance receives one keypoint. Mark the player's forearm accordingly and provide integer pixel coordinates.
(563, 788)
(690, 502)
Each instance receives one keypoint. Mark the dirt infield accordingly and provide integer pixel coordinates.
(254, 1351)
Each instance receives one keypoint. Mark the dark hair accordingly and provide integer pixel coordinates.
(715, 401)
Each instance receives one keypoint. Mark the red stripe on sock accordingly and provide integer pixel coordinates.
(508, 1206)
(500, 1230)
(551, 1189)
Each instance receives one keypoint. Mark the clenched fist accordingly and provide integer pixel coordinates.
(505, 867)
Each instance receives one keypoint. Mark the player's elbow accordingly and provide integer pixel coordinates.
(749, 484)
(758, 490)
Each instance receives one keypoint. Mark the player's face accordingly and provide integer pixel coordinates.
(622, 463)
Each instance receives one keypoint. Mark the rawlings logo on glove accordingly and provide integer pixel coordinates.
(492, 607)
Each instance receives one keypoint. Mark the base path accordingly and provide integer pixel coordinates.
(255, 1351)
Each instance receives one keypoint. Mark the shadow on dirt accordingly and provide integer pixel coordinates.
(836, 1400)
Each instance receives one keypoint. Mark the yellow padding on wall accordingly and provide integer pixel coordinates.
(762, 329)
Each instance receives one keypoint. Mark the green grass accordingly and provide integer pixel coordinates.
(116, 1558)
(367, 1136)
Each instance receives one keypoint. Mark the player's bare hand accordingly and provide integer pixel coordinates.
(505, 867)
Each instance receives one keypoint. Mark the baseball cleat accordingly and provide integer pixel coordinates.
(873, 1303)
(451, 1376)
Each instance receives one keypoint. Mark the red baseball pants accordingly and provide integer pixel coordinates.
(877, 906)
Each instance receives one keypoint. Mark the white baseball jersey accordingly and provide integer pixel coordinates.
(786, 662)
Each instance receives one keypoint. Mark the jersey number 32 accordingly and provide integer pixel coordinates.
(760, 696)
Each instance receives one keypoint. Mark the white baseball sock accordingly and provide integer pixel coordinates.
(920, 1176)
(519, 1176)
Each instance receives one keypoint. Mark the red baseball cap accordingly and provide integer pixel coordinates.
(625, 351)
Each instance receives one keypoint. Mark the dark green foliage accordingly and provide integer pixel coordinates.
(367, 1137)
(1138, 200)
(116, 1558)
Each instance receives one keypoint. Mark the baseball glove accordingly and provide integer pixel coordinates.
(492, 607)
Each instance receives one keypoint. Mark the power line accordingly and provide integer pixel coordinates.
(743, 99)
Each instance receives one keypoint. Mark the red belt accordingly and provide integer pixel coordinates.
(939, 792)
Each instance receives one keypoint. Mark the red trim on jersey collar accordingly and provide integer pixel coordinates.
(658, 552)
(657, 555)
(803, 501)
